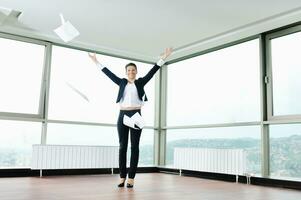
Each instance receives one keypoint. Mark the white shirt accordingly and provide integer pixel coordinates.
(130, 96)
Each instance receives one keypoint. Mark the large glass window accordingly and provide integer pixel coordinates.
(80, 91)
(218, 87)
(21, 67)
(286, 70)
(70, 134)
(285, 150)
(16, 140)
(245, 138)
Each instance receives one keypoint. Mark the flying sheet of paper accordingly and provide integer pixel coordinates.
(135, 120)
(4, 13)
(66, 31)
(128, 122)
(77, 91)
(10, 18)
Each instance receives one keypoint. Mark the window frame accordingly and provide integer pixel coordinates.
(45, 69)
(269, 75)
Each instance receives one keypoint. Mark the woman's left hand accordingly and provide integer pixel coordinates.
(167, 53)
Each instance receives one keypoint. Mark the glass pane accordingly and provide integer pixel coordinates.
(146, 148)
(285, 53)
(21, 68)
(218, 87)
(285, 150)
(70, 134)
(16, 140)
(80, 91)
(245, 138)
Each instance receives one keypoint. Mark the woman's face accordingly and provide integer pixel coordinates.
(131, 72)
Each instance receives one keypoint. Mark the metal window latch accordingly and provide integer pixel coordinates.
(266, 79)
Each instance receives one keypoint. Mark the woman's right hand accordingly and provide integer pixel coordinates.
(93, 57)
(167, 53)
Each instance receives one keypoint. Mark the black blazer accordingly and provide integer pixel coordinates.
(140, 82)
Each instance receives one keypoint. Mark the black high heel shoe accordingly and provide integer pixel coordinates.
(121, 184)
(130, 183)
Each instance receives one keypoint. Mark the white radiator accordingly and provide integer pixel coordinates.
(73, 156)
(228, 161)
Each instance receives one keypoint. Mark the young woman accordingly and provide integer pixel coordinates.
(131, 97)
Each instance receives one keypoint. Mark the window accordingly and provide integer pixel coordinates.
(80, 91)
(16, 140)
(286, 70)
(285, 150)
(70, 134)
(21, 68)
(246, 138)
(218, 87)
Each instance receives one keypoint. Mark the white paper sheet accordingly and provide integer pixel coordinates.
(136, 119)
(77, 91)
(66, 31)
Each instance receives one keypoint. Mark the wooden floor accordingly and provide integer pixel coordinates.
(148, 186)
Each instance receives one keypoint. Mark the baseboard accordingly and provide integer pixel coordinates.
(27, 172)
(261, 181)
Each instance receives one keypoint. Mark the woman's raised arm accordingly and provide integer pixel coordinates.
(157, 66)
(105, 70)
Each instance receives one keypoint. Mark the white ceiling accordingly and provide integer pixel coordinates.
(141, 29)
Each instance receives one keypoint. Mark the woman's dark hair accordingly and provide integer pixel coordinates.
(131, 64)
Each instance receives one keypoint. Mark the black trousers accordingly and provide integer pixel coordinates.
(123, 134)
